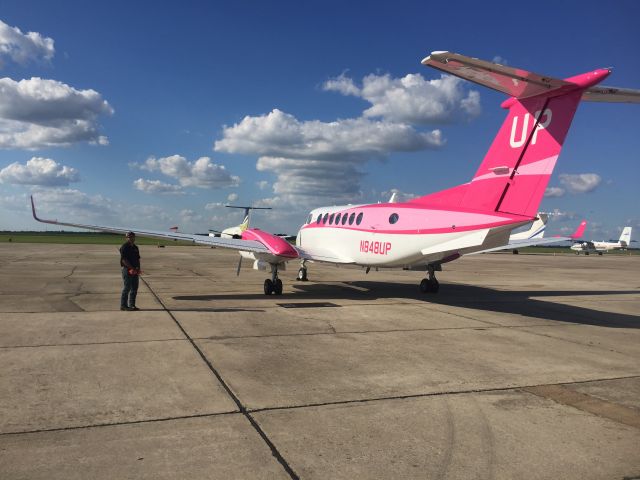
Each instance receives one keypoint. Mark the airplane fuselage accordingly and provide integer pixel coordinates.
(400, 234)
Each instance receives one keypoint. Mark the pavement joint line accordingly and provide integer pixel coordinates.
(435, 394)
(95, 343)
(116, 424)
(397, 330)
(243, 410)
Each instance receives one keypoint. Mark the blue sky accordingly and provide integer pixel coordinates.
(152, 115)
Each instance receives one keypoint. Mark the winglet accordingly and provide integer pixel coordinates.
(579, 231)
(33, 209)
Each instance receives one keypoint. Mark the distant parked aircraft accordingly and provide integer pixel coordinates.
(587, 247)
(534, 236)
(236, 232)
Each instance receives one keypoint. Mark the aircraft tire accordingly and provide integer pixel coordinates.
(277, 287)
(268, 287)
(425, 285)
(302, 275)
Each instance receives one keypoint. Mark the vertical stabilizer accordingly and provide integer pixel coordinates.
(515, 171)
(625, 237)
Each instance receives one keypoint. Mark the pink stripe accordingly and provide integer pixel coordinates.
(539, 167)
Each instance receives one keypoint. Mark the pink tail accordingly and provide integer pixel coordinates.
(514, 174)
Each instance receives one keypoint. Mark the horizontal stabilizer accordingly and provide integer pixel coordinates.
(515, 82)
(611, 94)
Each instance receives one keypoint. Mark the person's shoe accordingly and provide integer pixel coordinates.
(124, 309)
(134, 308)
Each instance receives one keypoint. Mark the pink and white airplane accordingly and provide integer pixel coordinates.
(426, 232)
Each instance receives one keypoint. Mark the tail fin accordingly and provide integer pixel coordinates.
(536, 231)
(579, 231)
(514, 174)
(625, 238)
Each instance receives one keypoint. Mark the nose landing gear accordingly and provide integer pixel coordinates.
(430, 284)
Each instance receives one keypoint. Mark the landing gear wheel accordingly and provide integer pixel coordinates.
(429, 286)
(268, 287)
(277, 287)
(302, 275)
(600, 253)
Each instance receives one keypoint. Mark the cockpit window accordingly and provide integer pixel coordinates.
(393, 218)
(359, 218)
(331, 218)
(337, 219)
(324, 219)
(319, 218)
(344, 218)
(352, 217)
(309, 218)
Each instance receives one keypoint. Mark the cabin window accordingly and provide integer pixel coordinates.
(324, 219)
(393, 218)
(344, 218)
(352, 217)
(359, 218)
(331, 218)
(337, 219)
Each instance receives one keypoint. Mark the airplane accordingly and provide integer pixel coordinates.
(587, 247)
(426, 232)
(236, 232)
(535, 236)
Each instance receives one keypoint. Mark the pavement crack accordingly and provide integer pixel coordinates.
(243, 410)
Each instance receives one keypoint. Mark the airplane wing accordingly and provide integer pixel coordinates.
(534, 242)
(230, 243)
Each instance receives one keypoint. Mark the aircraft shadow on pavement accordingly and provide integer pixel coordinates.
(525, 302)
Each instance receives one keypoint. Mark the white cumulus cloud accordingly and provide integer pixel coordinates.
(157, 187)
(581, 182)
(37, 113)
(201, 173)
(318, 161)
(279, 134)
(554, 192)
(232, 197)
(411, 99)
(23, 48)
(39, 171)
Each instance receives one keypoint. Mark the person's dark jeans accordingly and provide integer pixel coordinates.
(130, 289)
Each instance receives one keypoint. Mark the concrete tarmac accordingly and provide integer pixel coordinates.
(522, 366)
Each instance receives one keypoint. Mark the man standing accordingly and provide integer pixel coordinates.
(130, 263)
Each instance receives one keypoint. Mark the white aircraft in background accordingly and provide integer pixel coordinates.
(601, 247)
(535, 236)
(424, 233)
(236, 232)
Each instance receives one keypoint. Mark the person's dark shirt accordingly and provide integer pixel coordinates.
(130, 252)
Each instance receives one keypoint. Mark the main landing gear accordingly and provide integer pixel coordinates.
(302, 273)
(430, 284)
(274, 284)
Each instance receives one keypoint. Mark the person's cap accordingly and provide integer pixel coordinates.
(130, 234)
